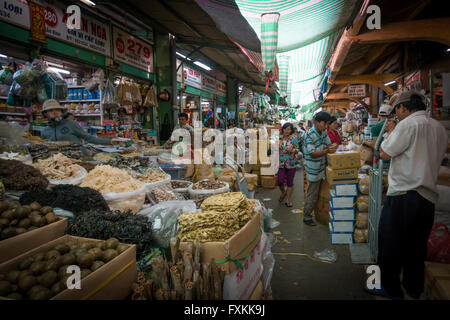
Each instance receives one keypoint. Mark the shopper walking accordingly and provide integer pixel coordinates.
(416, 147)
(288, 156)
(316, 147)
(333, 132)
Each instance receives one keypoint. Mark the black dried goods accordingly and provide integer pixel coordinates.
(124, 226)
(16, 175)
(68, 197)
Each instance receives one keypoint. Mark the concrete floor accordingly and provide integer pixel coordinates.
(298, 277)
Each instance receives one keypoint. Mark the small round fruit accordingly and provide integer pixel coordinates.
(85, 273)
(13, 276)
(8, 233)
(52, 254)
(37, 267)
(15, 296)
(26, 283)
(8, 214)
(5, 288)
(46, 210)
(39, 256)
(96, 253)
(21, 230)
(43, 294)
(37, 221)
(24, 223)
(32, 228)
(85, 260)
(111, 243)
(97, 264)
(62, 248)
(57, 288)
(68, 259)
(48, 278)
(25, 263)
(35, 206)
(50, 217)
(109, 254)
(122, 247)
(4, 222)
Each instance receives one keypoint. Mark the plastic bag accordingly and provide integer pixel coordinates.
(136, 94)
(199, 194)
(363, 203)
(63, 213)
(438, 246)
(362, 220)
(360, 236)
(109, 98)
(127, 96)
(151, 99)
(268, 262)
(326, 255)
(6, 76)
(74, 181)
(274, 223)
(364, 185)
(125, 201)
(95, 82)
(164, 217)
(162, 194)
(268, 213)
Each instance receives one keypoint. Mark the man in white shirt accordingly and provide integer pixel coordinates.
(416, 147)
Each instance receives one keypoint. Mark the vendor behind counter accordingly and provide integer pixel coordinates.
(60, 129)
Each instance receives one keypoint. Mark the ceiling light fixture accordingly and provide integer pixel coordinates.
(183, 56)
(59, 70)
(448, 50)
(390, 82)
(201, 65)
(55, 65)
(88, 2)
(3, 56)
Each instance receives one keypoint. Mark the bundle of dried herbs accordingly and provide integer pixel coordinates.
(125, 226)
(16, 175)
(69, 197)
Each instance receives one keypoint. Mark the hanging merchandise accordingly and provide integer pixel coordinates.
(109, 99)
(151, 99)
(269, 41)
(6, 76)
(124, 94)
(136, 94)
(95, 82)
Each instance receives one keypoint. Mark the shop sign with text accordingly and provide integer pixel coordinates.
(130, 50)
(192, 77)
(357, 90)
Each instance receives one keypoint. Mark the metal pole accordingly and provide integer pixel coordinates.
(431, 93)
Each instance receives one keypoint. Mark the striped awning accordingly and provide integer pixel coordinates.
(308, 32)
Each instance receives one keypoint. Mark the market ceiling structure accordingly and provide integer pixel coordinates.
(194, 31)
(413, 33)
(308, 33)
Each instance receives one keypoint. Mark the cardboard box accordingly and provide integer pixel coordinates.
(240, 284)
(342, 176)
(258, 293)
(112, 281)
(268, 182)
(346, 190)
(344, 160)
(233, 246)
(341, 225)
(342, 202)
(437, 281)
(15, 246)
(343, 214)
(340, 237)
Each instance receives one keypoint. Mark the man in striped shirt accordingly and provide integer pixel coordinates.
(316, 146)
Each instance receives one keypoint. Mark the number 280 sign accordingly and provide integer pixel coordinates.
(133, 51)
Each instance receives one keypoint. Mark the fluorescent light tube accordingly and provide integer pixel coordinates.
(59, 70)
(3, 56)
(88, 2)
(201, 65)
(390, 82)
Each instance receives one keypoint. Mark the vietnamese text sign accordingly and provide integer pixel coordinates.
(192, 77)
(221, 88)
(132, 51)
(92, 35)
(357, 90)
(208, 83)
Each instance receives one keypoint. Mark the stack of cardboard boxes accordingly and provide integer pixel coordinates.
(342, 177)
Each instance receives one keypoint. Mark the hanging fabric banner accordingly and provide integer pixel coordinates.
(37, 22)
(289, 92)
(284, 74)
(269, 41)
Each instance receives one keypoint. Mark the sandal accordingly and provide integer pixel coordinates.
(289, 204)
(283, 195)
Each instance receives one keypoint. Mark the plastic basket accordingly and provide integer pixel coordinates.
(176, 171)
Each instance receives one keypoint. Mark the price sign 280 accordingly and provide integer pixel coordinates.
(51, 19)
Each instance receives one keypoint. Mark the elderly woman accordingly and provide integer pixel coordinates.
(288, 155)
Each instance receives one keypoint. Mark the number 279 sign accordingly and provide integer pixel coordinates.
(132, 51)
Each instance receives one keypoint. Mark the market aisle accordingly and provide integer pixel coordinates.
(298, 277)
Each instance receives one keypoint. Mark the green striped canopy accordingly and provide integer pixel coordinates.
(283, 65)
(269, 39)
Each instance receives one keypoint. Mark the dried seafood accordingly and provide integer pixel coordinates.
(58, 167)
(208, 185)
(107, 179)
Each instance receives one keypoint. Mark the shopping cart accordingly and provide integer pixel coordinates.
(242, 183)
(367, 253)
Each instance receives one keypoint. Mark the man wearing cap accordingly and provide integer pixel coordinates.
(385, 113)
(416, 147)
(60, 129)
(316, 146)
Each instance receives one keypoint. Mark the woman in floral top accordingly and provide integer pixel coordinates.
(288, 155)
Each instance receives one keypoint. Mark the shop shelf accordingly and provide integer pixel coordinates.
(87, 100)
(88, 115)
(3, 97)
(12, 114)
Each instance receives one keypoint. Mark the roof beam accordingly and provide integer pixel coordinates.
(337, 96)
(375, 79)
(430, 30)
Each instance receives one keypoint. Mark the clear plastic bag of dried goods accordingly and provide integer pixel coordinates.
(96, 81)
(162, 193)
(6, 76)
(125, 201)
(109, 98)
(164, 217)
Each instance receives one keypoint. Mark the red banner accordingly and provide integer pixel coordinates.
(37, 22)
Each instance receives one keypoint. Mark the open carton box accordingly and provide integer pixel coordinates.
(15, 246)
(112, 281)
(244, 238)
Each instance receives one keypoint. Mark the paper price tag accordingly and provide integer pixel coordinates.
(157, 224)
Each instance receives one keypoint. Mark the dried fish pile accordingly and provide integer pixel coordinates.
(58, 167)
(163, 195)
(180, 184)
(107, 179)
(233, 203)
(138, 164)
(149, 175)
(183, 278)
(208, 185)
(45, 150)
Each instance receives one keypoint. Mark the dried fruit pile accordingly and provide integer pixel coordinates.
(18, 176)
(125, 226)
(16, 219)
(208, 185)
(44, 275)
(68, 197)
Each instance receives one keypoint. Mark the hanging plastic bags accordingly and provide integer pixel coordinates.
(438, 247)
(6, 76)
(151, 99)
(136, 94)
(96, 81)
(109, 98)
